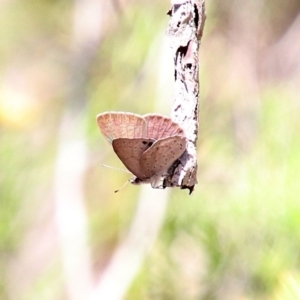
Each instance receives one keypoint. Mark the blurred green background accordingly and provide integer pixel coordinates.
(238, 235)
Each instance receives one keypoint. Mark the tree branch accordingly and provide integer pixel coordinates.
(185, 31)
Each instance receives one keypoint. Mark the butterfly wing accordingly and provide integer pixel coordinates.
(130, 151)
(115, 125)
(158, 158)
(159, 127)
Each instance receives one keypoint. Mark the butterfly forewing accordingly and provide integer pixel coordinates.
(159, 127)
(115, 125)
(130, 151)
(161, 155)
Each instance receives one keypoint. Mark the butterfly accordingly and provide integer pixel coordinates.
(147, 145)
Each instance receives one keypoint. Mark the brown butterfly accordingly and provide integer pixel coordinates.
(147, 145)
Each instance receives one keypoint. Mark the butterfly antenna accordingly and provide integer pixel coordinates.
(127, 181)
(118, 169)
(114, 168)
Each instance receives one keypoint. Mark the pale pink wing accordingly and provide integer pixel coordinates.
(130, 151)
(159, 127)
(115, 125)
(158, 158)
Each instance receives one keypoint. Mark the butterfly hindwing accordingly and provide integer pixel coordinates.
(130, 151)
(161, 155)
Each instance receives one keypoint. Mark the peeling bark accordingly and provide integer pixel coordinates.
(185, 32)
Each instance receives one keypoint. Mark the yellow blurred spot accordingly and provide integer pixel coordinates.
(289, 286)
(17, 109)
